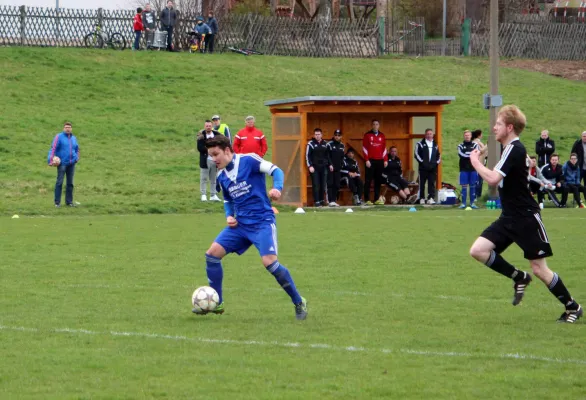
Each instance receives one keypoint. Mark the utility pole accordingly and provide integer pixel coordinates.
(444, 22)
(494, 99)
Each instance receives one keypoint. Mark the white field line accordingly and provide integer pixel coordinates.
(276, 344)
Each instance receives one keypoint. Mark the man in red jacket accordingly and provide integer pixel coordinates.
(374, 147)
(138, 28)
(250, 140)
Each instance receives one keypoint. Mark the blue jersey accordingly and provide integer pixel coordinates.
(244, 187)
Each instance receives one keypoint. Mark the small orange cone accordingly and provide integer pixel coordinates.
(275, 210)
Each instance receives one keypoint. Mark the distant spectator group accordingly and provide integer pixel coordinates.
(145, 20)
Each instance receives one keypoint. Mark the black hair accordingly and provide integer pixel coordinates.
(139, 10)
(317, 130)
(220, 141)
(476, 134)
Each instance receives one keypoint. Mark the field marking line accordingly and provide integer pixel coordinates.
(321, 346)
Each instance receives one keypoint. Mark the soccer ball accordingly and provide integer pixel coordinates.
(205, 298)
(56, 161)
(395, 199)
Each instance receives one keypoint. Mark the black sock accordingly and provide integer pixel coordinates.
(500, 265)
(559, 290)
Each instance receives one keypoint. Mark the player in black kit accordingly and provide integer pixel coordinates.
(520, 221)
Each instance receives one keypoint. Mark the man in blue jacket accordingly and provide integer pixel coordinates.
(572, 172)
(64, 147)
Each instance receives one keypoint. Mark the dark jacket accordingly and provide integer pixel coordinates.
(464, 150)
(350, 165)
(553, 175)
(316, 154)
(203, 151)
(168, 17)
(394, 168)
(213, 24)
(149, 19)
(422, 156)
(544, 149)
(579, 150)
(336, 154)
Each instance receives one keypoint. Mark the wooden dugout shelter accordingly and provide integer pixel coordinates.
(403, 120)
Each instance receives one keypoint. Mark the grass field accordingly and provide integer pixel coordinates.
(98, 307)
(135, 114)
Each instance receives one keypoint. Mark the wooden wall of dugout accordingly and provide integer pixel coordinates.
(292, 128)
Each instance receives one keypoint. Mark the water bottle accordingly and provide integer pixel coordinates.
(491, 204)
(498, 204)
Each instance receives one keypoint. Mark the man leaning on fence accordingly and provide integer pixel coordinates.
(168, 20)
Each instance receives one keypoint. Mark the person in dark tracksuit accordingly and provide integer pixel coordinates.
(351, 176)
(168, 19)
(318, 163)
(428, 155)
(336, 154)
(213, 24)
(544, 148)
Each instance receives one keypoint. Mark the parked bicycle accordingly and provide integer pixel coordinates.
(99, 37)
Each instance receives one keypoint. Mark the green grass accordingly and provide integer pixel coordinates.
(98, 307)
(135, 114)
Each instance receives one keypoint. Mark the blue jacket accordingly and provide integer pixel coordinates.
(202, 28)
(65, 147)
(571, 173)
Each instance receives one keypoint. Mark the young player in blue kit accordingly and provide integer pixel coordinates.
(250, 218)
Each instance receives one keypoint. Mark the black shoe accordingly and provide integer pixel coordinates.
(562, 206)
(571, 315)
(57, 205)
(71, 205)
(520, 288)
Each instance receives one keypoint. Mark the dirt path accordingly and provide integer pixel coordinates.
(573, 70)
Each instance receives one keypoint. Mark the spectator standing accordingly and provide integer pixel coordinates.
(579, 148)
(250, 139)
(477, 138)
(428, 156)
(220, 127)
(336, 155)
(213, 24)
(374, 147)
(468, 175)
(544, 148)
(554, 174)
(208, 169)
(66, 148)
(138, 28)
(168, 20)
(351, 175)
(318, 163)
(149, 20)
(394, 176)
(571, 172)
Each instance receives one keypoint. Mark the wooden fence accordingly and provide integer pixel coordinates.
(535, 37)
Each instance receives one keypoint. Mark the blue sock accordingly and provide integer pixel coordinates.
(472, 193)
(282, 275)
(464, 194)
(215, 274)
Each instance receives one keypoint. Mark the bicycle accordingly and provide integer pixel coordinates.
(97, 38)
(245, 52)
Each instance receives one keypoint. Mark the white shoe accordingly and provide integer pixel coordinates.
(541, 206)
(215, 198)
(204, 197)
(431, 201)
(333, 204)
(422, 201)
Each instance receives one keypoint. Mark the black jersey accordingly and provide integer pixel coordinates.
(516, 199)
(464, 150)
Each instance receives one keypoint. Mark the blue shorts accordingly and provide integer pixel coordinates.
(238, 240)
(468, 177)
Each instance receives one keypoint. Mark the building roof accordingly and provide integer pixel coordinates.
(365, 99)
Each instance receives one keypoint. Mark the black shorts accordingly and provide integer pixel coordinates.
(527, 232)
(397, 183)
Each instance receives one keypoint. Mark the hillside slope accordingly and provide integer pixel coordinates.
(135, 114)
